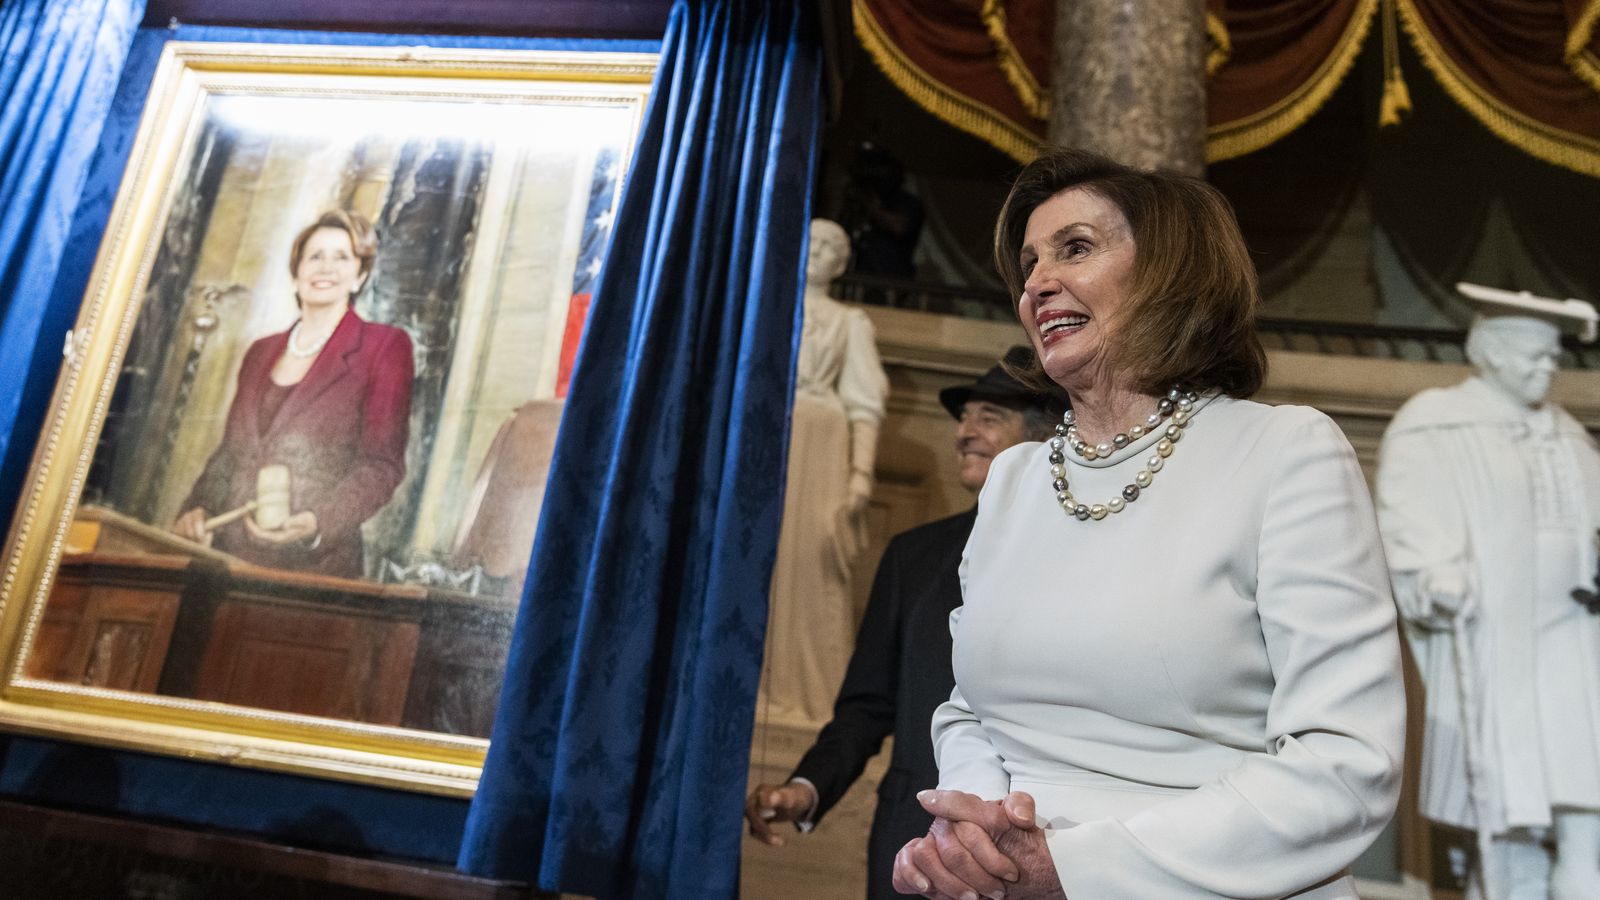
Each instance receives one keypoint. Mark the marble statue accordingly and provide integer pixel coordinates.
(838, 404)
(1489, 500)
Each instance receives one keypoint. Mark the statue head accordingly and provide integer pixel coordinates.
(829, 252)
(1516, 354)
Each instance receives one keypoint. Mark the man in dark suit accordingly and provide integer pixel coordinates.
(887, 690)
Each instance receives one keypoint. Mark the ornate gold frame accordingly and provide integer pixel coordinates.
(187, 74)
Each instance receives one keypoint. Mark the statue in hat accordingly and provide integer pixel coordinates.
(838, 404)
(1489, 500)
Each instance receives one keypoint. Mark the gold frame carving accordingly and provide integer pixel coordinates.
(187, 74)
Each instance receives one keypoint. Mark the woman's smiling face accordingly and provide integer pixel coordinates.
(1077, 262)
(330, 271)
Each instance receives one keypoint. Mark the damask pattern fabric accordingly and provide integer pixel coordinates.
(59, 65)
(630, 687)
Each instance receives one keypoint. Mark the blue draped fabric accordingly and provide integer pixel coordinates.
(616, 767)
(59, 64)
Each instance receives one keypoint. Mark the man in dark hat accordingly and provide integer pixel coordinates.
(887, 690)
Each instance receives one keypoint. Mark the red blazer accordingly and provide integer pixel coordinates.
(342, 432)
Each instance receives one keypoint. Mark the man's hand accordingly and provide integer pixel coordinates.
(769, 803)
(977, 848)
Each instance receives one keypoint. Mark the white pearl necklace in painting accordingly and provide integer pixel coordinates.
(1178, 405)
(294, 343)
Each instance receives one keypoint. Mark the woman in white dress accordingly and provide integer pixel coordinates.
(1177, 664)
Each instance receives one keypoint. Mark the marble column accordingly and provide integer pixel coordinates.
(1129, 81)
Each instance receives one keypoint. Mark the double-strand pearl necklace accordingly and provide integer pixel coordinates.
(294, 347)
(1164, 408)
(1177, 405)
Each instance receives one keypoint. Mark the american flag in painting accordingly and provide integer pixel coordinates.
(591, 256)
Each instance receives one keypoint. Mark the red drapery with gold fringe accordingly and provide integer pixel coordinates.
(1528, 69)
(1273, 64)
(957, 60)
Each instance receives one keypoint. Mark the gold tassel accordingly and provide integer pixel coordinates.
(1221, 43)
(1035, 99)
(1396, 100)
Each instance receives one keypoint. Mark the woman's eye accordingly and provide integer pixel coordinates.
(1074, 248)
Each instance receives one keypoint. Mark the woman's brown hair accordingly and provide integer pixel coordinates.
(1190, 315)
(363, 239)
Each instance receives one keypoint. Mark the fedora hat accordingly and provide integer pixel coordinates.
(997, 386)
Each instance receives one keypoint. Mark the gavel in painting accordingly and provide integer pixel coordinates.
(271, 504)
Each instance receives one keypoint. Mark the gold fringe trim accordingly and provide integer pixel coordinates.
(1221, 43)
(1396, 99)
(1033, 97)
(1583, 63)
(1227, 140)
(1562, 148)
(948, 106)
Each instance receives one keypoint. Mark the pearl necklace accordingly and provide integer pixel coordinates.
(1164, 408)
(294, 347)
(1178, 405)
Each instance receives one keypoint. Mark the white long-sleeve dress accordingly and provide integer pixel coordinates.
(1203, 692)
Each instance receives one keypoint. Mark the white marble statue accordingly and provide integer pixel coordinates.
(838, 404)
(1489, 500)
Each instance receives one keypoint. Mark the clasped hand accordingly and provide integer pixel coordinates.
(977, 848)
(298, 528)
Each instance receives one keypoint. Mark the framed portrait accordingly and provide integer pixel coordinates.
(282, 508)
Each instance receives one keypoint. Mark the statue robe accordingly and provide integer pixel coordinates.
(811, 623)
(1461, 486)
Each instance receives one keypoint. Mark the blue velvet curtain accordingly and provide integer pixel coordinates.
(59, 64)
(617, 762)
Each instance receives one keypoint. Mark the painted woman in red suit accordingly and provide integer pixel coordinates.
(330, 400)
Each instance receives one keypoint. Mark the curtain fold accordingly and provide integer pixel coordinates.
(1283, 59)
(59, 65)
(630, 688)
(977, 65)
(1582, 47)
(1023, 48)
(1521, 67)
